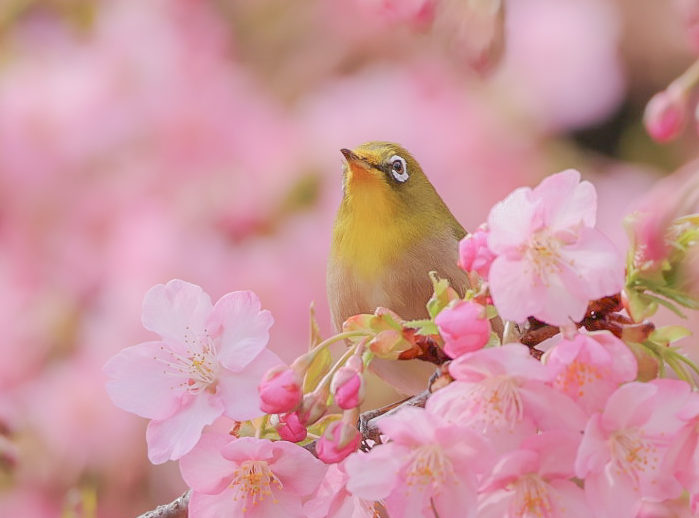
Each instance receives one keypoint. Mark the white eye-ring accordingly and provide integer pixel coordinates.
(399, 169)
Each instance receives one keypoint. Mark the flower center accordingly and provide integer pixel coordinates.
(199, 363)
(531, 498)
(543, 254)
(429, 466)
(253, 481)
(576, 375)
(497, 401)
(632, 453)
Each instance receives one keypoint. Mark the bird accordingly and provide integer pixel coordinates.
(392, 228)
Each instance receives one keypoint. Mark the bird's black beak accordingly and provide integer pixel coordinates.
(349, 155)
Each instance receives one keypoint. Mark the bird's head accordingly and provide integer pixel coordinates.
(385, 170)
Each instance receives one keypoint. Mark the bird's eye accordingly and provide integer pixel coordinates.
(399, 168)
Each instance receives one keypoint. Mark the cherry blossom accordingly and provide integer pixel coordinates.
(464, 327)
(207, 363)
(590, 367)
(551, 260)
(534, 480)
(255, 478)
(428, 464)
(333, 500)
(622, 456)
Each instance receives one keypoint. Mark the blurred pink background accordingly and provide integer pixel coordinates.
(146, 140)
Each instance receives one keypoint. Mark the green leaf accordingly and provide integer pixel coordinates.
(490, 312)
(424, 327)
(669, 334)
(319, 367)
(441, 297)
(493, 340)
(319, 427)
(641, 306)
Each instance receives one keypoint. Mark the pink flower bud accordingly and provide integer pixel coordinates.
(464, 328)
(313, 407)
(348, 388)
(339, 440)
(664, 117)
(290, 428)
(474, 254)
(280, 390)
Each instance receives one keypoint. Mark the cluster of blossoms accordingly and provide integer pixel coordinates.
(581, 431)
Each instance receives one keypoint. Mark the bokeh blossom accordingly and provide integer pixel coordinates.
(208, 363)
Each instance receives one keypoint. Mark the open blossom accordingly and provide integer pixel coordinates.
(428, 463)
(333, 500)
(622, 456)
(534, 480)
(254, 478)
(590, 367)
(207, 363)
(464, 327)
(551, 260)
(504, 393)
(684, 452)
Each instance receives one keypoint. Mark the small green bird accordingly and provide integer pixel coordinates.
(391, 230)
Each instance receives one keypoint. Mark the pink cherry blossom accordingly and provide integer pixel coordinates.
(504, 393)
(666, 114)
(280, 390)
(333, 500)
(623, 451)
(207, 364)
(590, 367)
(551, 260)
(683, 457)
(534, 480)
(255, 478)
(464, 327)
(474, 254)
(429, 463)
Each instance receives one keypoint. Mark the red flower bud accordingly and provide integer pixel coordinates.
(290, 428)
(339, 440)
(280, 390)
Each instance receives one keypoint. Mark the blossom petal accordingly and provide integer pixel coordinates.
(596, 263)
(511, 221)
(566, 201)
(629, 406)
(411, 426)
(238, 391)
(593, 451)
(551, 409)
(204, 469)
(298, 470)
(175, 436)
(175, 310)
(373, 475)
(138, 383)
(512, 286)
(570, 499)
(611, 494)
(244, 328)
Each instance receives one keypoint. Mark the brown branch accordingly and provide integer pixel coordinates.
(175, 509)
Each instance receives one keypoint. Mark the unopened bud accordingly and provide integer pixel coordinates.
(348, 388)
(313, 407)
(280, 390)
(474, 254)
(464, 328)
(339, 440)
(290, 428)
(665, 114)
